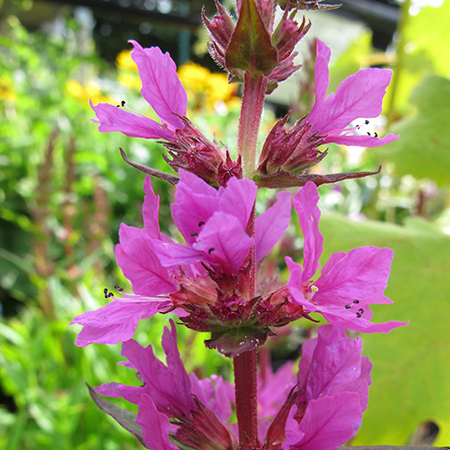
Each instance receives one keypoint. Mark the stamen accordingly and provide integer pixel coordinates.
(118, 288)
(210, 251)
(201, 224)
(314, 288)
(368, 133)
(347, 306)
(375, 134)
(366, 122)
(358, 315)
(194, 234)
(356, 301)
(123, 103)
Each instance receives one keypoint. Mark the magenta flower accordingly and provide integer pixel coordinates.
(288, 151)
(198, 407)
(161, 88)
(163, 91)
(349, 282)
(166, 275)
(331, 393)
(358, 96)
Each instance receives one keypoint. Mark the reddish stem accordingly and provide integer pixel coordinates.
(245, 371)
(251, 111)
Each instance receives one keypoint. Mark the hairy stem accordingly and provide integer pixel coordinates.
(245, 371)
(251, 111)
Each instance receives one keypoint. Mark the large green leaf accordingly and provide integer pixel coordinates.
(411, 370)
(424, 147)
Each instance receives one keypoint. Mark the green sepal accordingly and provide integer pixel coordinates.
(234, 341)
(250, 49)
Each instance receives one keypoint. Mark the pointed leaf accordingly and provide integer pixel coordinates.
(124, 418)
(250, 48)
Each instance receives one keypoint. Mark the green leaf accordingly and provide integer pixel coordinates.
(411, 364)
(423, 148)
(250, 48)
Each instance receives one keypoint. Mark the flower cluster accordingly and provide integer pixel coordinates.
(209, 275)
(330, 390)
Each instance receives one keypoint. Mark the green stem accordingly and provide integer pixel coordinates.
(401, 32)
(245, 381)
(249, 122)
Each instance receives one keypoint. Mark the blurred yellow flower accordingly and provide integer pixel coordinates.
(204, 88)
(91, 91)
(124, 61)
(6, 92)
(130, 80)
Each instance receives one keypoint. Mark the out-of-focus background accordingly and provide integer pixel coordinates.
(64, 190)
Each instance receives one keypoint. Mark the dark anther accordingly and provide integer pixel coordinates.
(110, 294)
(201, 223)
(210, 251)
(358, 315)
(366, 122)
(361, 311)
(193, 234)
(356, 301)
(347, 306)
(375, 134)
(368, 133)
(105, 291)
(118, 106)
(123, 102)
(118, 288)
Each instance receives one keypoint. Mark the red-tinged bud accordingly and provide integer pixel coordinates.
(229, 169)
(203, 431)
(231, 308)
(292, 150)
(200, 291)
(192, 152)
(220, 31)
(276, 432)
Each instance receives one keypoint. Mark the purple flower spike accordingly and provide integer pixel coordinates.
(349, 282)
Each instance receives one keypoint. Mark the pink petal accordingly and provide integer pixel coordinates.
(305, 203)
(360, 274)
(168, 386)
(359, 95)
(113, 118)
(114, 322)
(217, 398)
(131, 394)
(172, 254)
(224, 242)
(140, 264)
(336, 364)
(328, 423)
(155, 426)
(238, 199)
(196, 202)
(161, 86)
(360, 140)
(272, 224)
(321, 72)
(150, 210)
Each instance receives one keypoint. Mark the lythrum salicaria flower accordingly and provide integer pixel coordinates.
(162, 89)
(349, 282)
(320, 408)
(203, 279)
(359, 96)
